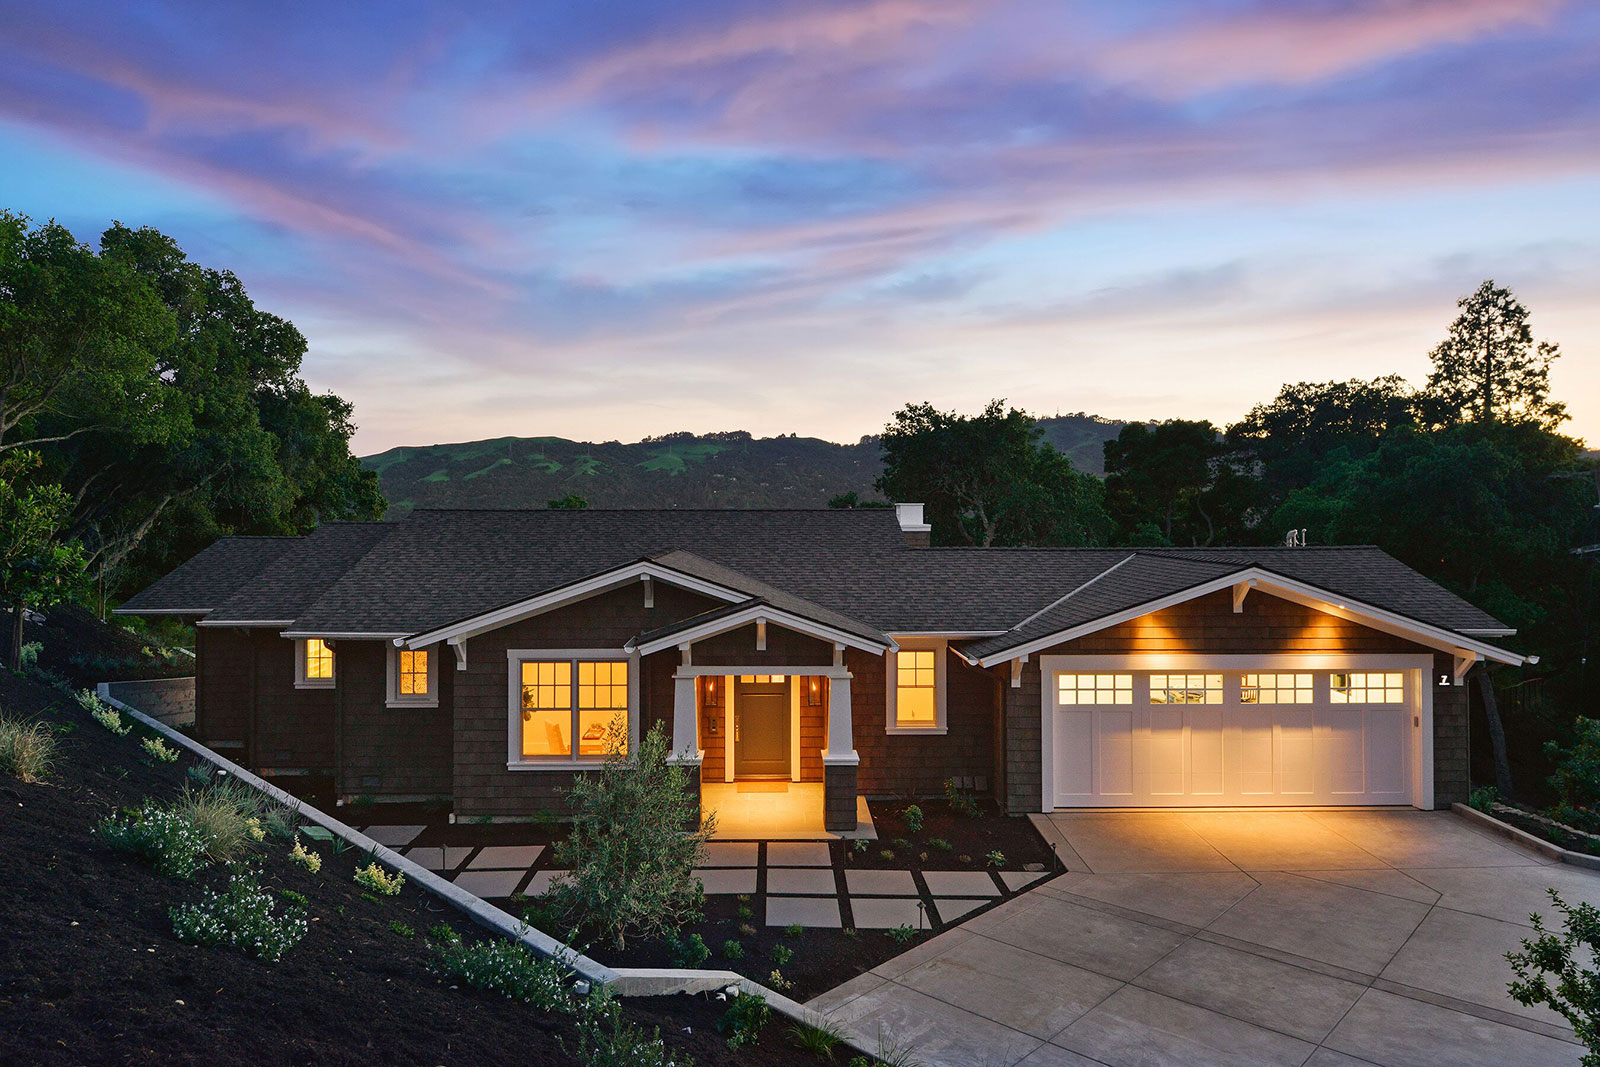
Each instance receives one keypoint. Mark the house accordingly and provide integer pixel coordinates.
(478, 656)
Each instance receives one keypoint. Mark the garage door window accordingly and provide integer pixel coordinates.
(1095, 688)
(1186, 689)
(1275, 689)
(1387, 688)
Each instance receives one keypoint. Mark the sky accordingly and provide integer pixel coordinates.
(606, 220)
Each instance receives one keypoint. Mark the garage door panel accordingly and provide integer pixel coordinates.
(1231, 752)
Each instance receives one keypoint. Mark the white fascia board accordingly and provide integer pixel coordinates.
(1487, 631)
(161, 611)
(1299, 592)
(949, 635)
(246, 622)
(301, 635)
(767, 612)
(568, 594)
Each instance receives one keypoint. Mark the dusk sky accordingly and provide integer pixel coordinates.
(609, 219)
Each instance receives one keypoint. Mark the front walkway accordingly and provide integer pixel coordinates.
(775, 811)
(1325, 938)
(787, 881)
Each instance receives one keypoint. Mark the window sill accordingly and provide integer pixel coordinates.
(935, 731)
(314, 685)
(412, 704)
(555, 765)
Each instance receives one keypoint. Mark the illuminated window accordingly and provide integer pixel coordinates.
(567, 699)
(414, 673)
(761, 679)
(1369, 688)
(916, 694)
(1275, 689)
(1185, 689)
(314, 664)
(1094, 688)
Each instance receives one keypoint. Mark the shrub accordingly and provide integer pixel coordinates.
(903, 934)
(747, 929)
(939, 844)
(1577, 778)
(27, 749)
(913, 818)
(199, 773)
(379, 880)
(690, 951)
(159, 749)
(820, 1041)
(793, 930)
(278, 823)
(962, 801)
(103, 713)
(294, 898)
(902, 844)
(402, 929)
(1569, 959)
(630, 856)
(605, 1039)
(742, 1023)
(241, 916)
(860, 844)
(163, 837)
(777, 982)
(28, 657)
(995, 858)
(887, 855)
(310, 860)
(226, 813)
(781, 955)
(509, 968)
(1484, 798)
(745, 911)
(732, 950)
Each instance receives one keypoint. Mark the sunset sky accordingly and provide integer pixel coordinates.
(608, 219)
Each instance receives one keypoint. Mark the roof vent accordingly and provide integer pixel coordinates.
(918, 533)
(1295, 539)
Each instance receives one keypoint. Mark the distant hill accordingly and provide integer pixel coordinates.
(715, 470)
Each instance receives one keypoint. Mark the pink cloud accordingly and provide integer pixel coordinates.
(1294, 44)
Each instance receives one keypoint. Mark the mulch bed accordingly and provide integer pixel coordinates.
(1547, 829)
(84, 650)
(91, 973)
(971, 839)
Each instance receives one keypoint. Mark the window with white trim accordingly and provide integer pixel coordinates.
(568, 707)
(1366, 688)
(916, 686)
(413, 677)
(1275, 689)
(1186, 689)
(1094, 689)
(313, 664)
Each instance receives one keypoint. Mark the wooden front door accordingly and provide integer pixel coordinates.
(761, 727)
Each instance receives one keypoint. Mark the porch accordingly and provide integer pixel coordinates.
(777, 811)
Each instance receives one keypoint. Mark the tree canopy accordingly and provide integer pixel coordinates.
(1489, 368)
(989, 479)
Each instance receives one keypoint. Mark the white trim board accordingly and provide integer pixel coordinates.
(1287, 589)
(760, 613)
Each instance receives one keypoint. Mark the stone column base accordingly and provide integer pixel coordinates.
(839, 797)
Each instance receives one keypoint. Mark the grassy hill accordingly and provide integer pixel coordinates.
(729, 470)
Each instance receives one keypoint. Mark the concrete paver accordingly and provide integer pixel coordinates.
(488, 884)
(727, 881)
(505, 857)
(807, 911)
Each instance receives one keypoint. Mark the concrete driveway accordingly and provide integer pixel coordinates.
(1326, 938)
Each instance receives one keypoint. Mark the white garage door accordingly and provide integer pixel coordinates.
(1233, 738)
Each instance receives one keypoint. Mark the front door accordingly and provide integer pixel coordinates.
(761, 726)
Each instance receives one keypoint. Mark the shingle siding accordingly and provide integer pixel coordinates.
(919, 764)
(1451, 763)
(391, 752)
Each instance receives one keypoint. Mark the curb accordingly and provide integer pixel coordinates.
(627, 981)
(1529, 841)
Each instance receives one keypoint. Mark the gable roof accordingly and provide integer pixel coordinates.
(846, 569)
(209, 578)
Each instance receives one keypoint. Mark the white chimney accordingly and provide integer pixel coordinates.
(918, 533)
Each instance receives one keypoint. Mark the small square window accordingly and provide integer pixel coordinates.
(1072, 689)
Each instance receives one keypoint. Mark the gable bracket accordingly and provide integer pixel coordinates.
(1464, 662)
(1240, 591)
(459, 647)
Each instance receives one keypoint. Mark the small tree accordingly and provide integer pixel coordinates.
(1546, 956)
(38, 567)
(632, 853)
(1489, 367)
(569, 502)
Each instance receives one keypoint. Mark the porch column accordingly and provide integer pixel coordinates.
(685, 737)
(840, 760)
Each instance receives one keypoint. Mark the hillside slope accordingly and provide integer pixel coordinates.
(728, 470)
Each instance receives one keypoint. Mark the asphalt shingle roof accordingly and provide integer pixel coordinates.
(847, 568)
(210, 577)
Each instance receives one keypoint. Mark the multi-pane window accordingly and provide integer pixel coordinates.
(1275, 689)
(317, 666)
(1186, 689)
(1094, 688)
(1366, 688)
(412, 676)
(761, 679)
(547, 708)
(602, 696)
(916, 688)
